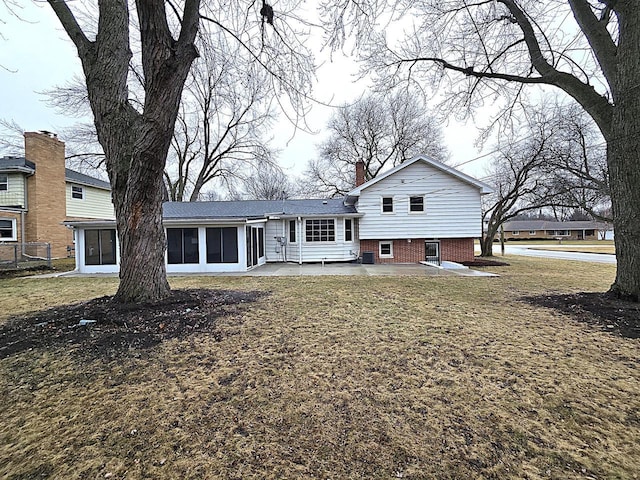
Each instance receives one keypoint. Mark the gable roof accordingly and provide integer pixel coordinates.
(17, 164)
(255, 209)
(484, 188)
(524, 225)
(82, 179)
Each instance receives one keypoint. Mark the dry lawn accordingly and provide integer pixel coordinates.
(336, 377)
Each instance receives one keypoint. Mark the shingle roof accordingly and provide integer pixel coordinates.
(77, 177)
(256, 208)
(524, 225)
(9, 164)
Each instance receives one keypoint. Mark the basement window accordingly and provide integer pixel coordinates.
(77, 192)
(386, 250)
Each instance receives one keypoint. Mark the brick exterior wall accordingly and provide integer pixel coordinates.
(457, 249)
(46, 195)
(451, 249)
(403, 251)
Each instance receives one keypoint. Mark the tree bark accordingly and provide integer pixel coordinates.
(136, 143)
(623, 152)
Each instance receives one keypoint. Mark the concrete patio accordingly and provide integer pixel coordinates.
(311, 269)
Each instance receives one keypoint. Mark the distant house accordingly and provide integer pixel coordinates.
(37, 194)
(421, 210)
(544, 229)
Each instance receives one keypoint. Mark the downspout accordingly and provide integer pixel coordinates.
(299, 222)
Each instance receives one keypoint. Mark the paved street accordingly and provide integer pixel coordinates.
(529, 251)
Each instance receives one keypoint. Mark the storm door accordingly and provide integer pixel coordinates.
(432, 251)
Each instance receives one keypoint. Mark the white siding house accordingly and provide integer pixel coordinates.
(420, 210)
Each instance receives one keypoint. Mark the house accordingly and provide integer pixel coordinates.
(38, 194)
(421, 210)
(548, 230)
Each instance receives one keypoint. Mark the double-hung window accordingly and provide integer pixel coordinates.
(292, 231)
(348, 230)
(387, 204)
(7, 229)
(77, 192)
(4, 182)
(416, 204)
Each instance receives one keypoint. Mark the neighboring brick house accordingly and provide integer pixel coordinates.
(547, 230)
(37, 194)
(419, 211)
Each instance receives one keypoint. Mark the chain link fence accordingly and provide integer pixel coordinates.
(24, 255)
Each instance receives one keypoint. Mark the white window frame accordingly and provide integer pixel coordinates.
(295, 231)
(515, 232)
(14, 231)
(532, 232)
(4, 183)
(81, 192)
(316, 242)
(385, 242)
(416, 212)
(344, 225)
(393, 209)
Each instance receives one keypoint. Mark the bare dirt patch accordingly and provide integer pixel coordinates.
(599, 309)
(484, 262)
(104, 328)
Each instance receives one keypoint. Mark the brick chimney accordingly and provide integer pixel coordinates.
(359, 173)
(46, 192)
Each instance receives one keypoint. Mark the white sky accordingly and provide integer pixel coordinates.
(39, 56)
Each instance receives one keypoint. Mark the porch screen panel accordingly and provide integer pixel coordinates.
(100, 247)
(92, 247)
(222, 245)
(261, 242)
(108, 247)
(182, 245)
(230, 245)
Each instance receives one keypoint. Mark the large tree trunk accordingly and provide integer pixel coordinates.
(135, 142)
(623, 152)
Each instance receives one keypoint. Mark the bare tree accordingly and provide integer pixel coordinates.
(268, 182)
(225, 112)
(581, 172)
(522, 176)
(382, 131)
(486, 51)
(135, 133)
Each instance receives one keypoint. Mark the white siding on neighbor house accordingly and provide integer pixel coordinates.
(14, 196)
(336, 251)
(96, 203)
(451, 206)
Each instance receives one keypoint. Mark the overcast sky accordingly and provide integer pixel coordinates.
(35, 55)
